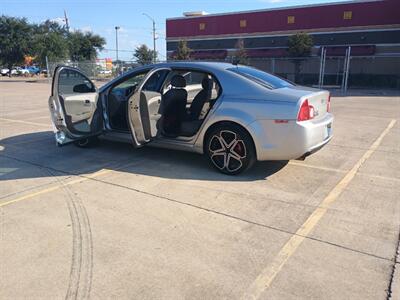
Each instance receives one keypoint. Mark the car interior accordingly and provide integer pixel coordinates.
(172, 103)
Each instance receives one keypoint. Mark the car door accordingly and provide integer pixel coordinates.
(73, 106)
(141, 116)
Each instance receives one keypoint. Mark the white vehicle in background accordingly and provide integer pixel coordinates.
(4, 71)
(21, 71)
(105, 72)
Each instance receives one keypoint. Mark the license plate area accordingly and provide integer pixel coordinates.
(328, 130)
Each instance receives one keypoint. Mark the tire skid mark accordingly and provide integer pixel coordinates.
(81, 270)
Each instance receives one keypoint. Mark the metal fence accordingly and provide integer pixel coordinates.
(94, 70)
(340, 72)
(337, 72)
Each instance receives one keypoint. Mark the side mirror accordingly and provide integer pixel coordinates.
(83, 88)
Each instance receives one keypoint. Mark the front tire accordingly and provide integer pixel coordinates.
(230, 149)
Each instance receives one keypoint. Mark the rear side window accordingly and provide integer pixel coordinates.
(268, 80)
(194, 81)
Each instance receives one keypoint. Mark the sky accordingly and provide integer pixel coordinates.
(101, 17)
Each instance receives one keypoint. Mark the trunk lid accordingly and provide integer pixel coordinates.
(319, 100)
(316, 98)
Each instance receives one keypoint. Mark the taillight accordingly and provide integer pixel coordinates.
(328, 105)
(306, 112)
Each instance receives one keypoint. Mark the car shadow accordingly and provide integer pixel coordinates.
(35, 155)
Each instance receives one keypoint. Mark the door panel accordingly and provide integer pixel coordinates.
(141, 108)
(151, 102)
(73, 105)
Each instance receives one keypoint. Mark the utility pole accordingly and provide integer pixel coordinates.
(66, 20)
(154, 37)
(116, 46)
(116, 39)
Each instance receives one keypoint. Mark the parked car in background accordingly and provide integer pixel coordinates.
(105, 72)
(233, 114)
(33, 70)
(4, 71)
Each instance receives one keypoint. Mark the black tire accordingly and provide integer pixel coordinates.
(87, 142)
(230, 149)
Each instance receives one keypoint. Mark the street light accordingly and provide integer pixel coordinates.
(116, 39)
(154, 36)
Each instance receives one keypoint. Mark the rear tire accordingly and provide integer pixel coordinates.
(87, 142)
(230, 149)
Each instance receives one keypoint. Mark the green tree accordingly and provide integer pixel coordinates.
(299, 45)
(49, 39)
(183, 51)
(15, 40)
(240, 54)
(84, 46)
(144, 55)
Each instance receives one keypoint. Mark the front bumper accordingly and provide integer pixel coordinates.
(291, 140)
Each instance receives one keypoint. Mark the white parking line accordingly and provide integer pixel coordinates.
(26, 122)
(267, 275)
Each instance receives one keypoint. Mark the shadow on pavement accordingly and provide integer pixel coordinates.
(22, 155)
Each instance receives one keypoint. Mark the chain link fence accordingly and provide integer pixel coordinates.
(362, 71)
(95, 70)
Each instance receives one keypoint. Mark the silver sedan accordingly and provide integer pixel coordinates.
(233, 114)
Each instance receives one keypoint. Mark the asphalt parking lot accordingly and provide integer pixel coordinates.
(116, 222)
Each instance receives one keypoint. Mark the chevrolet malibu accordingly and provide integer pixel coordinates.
(233, 114)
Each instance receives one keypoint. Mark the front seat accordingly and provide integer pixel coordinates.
(202, 97)
(173, 105)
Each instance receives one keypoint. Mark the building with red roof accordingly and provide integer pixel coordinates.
(370, 27)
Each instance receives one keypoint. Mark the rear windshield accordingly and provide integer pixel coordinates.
(263, 78)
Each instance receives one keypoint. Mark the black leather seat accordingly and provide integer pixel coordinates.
(192, 122)
(173, 105)
(202, 97)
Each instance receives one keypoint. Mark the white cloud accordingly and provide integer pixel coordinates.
(60, 21)
(86, 29)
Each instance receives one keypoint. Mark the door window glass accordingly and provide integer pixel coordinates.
(153, 84)
(72, 82)
(131, 82)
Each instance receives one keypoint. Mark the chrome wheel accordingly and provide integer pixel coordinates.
(227, 151)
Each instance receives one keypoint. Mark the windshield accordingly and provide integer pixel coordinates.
(263, 78)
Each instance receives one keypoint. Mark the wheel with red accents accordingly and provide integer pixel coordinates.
(230, 149)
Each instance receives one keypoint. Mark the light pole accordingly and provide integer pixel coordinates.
(116, 40)
(154, 37)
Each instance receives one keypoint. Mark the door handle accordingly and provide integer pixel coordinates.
(87, 102)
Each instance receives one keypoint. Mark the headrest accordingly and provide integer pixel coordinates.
(178, 81)
(207, 83)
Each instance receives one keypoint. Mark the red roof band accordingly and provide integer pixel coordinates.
(328, 16)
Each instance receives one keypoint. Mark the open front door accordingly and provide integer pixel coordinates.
(73, 106)
(142, 114)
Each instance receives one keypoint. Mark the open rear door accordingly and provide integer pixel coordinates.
(73, 106)
(142, 120)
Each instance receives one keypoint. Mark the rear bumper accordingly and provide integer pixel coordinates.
(292, 140)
